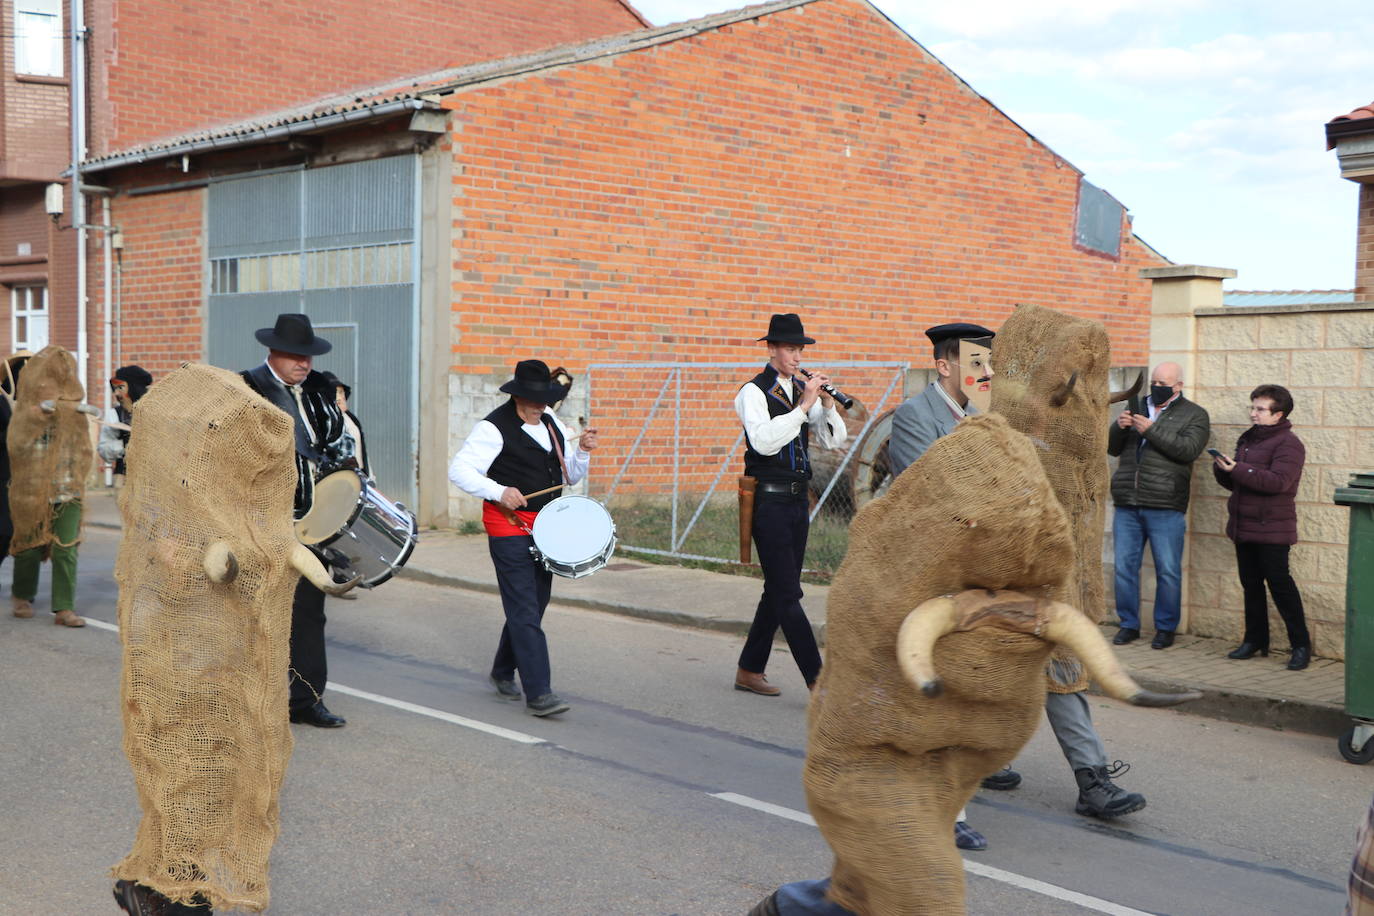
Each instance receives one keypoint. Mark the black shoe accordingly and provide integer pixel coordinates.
(1248, 650)
(768, 906)
(965, 837)
(1002, 780)
(1125, 635)
(137, 900)
(506, 690)
(1163, 639)
(547, 705)
(1301, 656)
(1099, 797)
(317, 715)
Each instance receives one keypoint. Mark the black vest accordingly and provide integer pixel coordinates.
(792, 461)
(522, 463)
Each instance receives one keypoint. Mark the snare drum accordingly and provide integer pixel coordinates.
(349, 516)
(573, 536)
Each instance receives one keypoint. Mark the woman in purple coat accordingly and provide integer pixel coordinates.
(1263, 521)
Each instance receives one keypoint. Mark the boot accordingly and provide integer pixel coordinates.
(755, 683)
(1099, 797)
(768, 906)
(23, 607)
(68, 618)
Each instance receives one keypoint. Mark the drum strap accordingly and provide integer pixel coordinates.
(558, 449)
(513, 518)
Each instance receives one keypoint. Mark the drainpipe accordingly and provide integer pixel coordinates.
(109, 318)
(78, 100)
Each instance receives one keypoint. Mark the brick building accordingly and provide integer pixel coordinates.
(650, 196)
(155, 68)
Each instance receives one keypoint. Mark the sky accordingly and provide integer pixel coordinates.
(1203, 117)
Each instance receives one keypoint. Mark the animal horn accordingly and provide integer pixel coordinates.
(221, 566)
(1060, 396)
(916, 642)
(1127, 392)
(308, 565)
(1068, 627)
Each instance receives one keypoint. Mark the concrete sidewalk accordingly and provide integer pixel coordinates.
(1259, 691)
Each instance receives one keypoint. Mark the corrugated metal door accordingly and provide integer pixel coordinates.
(338, 244)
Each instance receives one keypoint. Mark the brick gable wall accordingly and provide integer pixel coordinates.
(173, 67)
(817, 160)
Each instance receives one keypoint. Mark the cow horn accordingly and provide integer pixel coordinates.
(221, 566)
(1070, 628)
(1127, 392)
(916, 642)
(309, 565)
(1060, 396)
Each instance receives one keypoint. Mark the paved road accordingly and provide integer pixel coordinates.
(638, 800)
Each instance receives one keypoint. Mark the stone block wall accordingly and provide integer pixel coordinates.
(1325, 357)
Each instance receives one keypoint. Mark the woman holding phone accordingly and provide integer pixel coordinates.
(1263, 521)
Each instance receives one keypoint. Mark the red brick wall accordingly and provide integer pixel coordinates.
(662, 205)
(34, 112)
(162, 293)
(1364, 246)
(173, 66)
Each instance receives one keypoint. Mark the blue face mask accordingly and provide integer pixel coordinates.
(1160, 394)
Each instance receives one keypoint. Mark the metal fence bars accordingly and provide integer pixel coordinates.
(678, 448)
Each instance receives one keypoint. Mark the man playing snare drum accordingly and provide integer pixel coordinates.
(286, 379)
(516, 460)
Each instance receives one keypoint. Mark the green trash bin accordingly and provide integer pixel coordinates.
(1357, 745)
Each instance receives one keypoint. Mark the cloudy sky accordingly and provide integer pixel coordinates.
(1203, 117)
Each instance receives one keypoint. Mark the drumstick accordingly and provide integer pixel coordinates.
(557, 486)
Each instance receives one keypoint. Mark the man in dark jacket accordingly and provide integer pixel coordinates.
(1157, 447)
(285, 378)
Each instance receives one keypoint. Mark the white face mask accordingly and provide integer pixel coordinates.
(975, 373)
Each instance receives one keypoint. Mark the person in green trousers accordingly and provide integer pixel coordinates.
(66, 531)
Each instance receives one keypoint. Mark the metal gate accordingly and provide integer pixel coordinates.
(338, 244)
(679, 448)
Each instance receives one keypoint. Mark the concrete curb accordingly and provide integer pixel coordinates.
(1309, 717)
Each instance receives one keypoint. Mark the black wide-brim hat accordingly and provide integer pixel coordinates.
(534, 382)
(786, 329)
(293, 334)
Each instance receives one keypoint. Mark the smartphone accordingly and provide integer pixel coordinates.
(1214, 453)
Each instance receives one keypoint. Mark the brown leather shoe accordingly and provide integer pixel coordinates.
(68, 618)
(22, 607)
(755, 683)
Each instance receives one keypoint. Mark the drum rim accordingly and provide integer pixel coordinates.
(352, 516)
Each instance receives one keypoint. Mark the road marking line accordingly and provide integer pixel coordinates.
(439, 714)
(498, 731)
(974, 868)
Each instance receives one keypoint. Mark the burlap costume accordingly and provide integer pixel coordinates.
(1038, 350)
(887, 769)
(204, 682)
(50, 453)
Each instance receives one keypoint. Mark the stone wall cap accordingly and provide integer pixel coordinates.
(1186, 272)
(1229, 310)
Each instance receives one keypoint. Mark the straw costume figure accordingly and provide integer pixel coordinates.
(206, 571)
(940, 622)
(50, 454)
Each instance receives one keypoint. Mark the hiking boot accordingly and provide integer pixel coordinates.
(23, 607)
(1099, 797)
(506, 690)
(68, 618)
(548, 704)
(754, 682)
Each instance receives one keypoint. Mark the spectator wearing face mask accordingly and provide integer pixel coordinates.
(1157, 447)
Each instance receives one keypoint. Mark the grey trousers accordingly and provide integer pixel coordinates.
(1073, 726)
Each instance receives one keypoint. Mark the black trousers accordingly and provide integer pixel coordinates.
(1261, 563)
(781, 525)
(309, 671)
(525, 590)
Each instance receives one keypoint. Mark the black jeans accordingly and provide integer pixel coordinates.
(309, 671)
(1260, 563)
(525, 589)
(781, 525)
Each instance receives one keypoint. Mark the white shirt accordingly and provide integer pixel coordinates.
(468, 469)
(767, 435)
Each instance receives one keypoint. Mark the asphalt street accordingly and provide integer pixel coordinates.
(662, 791)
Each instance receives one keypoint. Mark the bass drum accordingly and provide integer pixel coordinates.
(351, 520)
(573, 536)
